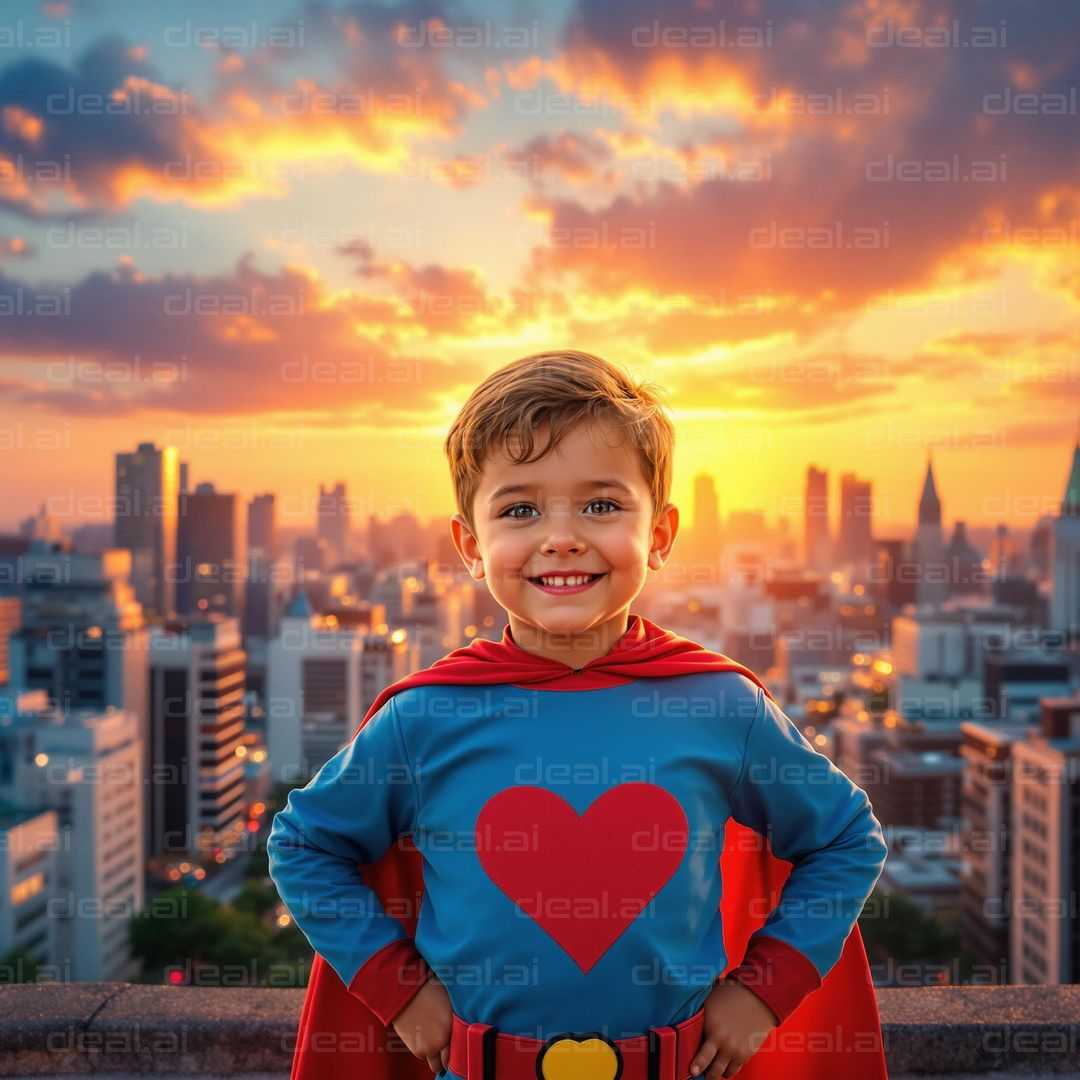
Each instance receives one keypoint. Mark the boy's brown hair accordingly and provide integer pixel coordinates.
(561, 389)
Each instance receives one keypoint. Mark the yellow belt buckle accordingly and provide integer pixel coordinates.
(570, 1056)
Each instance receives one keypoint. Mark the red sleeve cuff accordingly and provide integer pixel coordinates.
(778, 973)
(391, 979)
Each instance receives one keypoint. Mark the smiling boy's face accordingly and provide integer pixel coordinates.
(562, 519)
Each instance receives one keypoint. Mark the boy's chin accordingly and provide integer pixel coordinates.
(560, 618)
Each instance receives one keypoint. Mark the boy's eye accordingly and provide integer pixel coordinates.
(608, 501)
(509, 511)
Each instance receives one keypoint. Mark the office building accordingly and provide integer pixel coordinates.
(212, 553)
(855, 535)
(817, 544)
(196, 725)
(147, 489)
(85, 767)
(1044, 943)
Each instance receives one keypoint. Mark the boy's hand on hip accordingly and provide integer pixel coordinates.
(425, 1024)
(737, 1022)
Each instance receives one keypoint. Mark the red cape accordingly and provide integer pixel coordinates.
(834, 1034)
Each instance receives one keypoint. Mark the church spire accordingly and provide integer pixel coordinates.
(929, 503)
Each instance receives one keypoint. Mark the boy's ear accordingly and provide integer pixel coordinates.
(664, 533)
(467, 547)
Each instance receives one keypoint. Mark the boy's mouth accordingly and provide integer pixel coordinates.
(565, 584)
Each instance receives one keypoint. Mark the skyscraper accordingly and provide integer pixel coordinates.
(86, 767)
(856, 521)
(987, 881)
(1045, 865)
(147, 486)
(196, 725)
(262, 524)
(703, 548)
(83, 638)
(1065, 599)
(817, 544)
(333, 522)
(211, 549)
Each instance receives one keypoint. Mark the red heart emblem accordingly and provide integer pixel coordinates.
(583, 879)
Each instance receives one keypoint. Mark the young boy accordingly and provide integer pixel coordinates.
(571, 790)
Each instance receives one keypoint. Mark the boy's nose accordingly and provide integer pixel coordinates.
(567, 542)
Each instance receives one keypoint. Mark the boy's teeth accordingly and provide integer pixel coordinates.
(561, 581)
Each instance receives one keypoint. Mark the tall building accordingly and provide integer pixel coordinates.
(29, 881)
(83, 639)
(855, 535)
(816, 542)
(965, 563)
(1004, 557)
(1065, 600)
(147, 488)
(262, 525)
(892, 575)
(264, 594)
(705, 537)
(333, 524)
(939, 657)
(1045, 943)
(312, 692)
(932, 586)
(320, 682)
(196, 724)
(10, 619)
(86, 767)
(987, 810)
(212, 553)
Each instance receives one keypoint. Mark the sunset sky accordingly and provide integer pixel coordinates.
(290, 238)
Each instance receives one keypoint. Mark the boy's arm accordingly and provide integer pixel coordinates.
(815, 817)
(352, 810)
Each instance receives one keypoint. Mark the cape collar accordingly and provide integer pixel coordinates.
(630, 639)
(646, 650)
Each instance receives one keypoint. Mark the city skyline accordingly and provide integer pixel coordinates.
(293, 242)
(299, 512)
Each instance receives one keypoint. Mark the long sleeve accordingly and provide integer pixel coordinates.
(816, 818)
(358, 804)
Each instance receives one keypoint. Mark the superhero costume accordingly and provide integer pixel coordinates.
(545, 840)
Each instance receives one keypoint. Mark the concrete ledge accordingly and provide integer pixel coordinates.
(72, 1029)
(943, 1031)
(50, 1029)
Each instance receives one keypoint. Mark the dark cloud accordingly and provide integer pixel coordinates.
(570, 156)
(444, 300)
(242, 343)
(856, 203)
(71, 138)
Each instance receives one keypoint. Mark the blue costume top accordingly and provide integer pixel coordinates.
(571, 844)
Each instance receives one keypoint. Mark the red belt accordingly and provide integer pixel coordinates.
(479, 1052)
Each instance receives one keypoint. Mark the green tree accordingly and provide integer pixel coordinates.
(21, 965)
(255, 898)
(175, 927)
(895, 928)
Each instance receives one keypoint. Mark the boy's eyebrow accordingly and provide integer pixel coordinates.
(588, 485)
